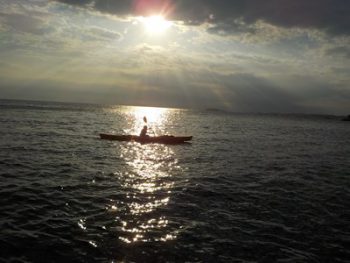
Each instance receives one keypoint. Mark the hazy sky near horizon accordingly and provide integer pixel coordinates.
(241, 55)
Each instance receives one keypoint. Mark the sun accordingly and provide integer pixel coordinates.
(156, 24)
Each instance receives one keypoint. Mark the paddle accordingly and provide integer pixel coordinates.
(145, 121)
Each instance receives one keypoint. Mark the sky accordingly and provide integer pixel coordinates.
(240, 55)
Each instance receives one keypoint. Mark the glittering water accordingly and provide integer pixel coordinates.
(250, 188)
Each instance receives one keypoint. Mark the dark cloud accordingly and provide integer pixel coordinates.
(331, 16)
(234, 27)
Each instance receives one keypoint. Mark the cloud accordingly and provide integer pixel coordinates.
(248, 92)
(23, 23)
(72, 50)
(98, 33)
(342, 51)
(340, 70)
(234, 26)
(327, 15)
(182, 87)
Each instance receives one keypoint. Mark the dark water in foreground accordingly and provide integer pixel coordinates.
(250, 188)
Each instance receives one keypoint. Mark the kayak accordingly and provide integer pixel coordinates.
(346, 118)
(164, 139)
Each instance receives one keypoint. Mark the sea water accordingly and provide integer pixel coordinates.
(249, 188)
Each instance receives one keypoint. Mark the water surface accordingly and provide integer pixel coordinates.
(250, 187)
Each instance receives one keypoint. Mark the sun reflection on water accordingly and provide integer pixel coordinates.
(153, 114)
(155, 117)
(147, 182)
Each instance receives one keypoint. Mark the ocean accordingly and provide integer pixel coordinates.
(249, 188)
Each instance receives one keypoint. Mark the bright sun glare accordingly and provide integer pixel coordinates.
(152, 114)
(156, 24)
(155, 118)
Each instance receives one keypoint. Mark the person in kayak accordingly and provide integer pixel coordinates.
(143, 132)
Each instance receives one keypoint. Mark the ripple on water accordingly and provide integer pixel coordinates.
(251, 188)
